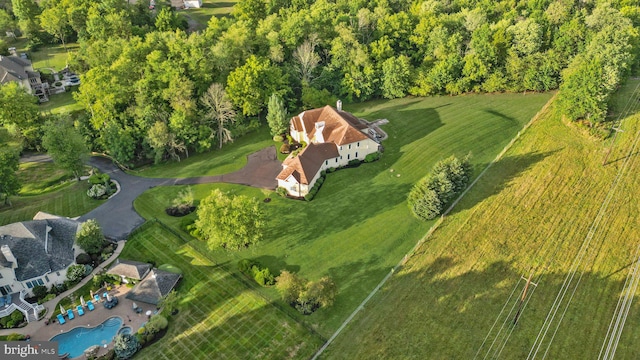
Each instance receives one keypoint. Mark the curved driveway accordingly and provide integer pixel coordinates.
(117, 216)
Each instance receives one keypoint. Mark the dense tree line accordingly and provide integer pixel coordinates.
(143, 76)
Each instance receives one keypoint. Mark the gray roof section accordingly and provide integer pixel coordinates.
(154, 286)
(12, 68)
(27, 243)
(131, 269)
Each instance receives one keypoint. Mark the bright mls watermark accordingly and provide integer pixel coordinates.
(31, 350)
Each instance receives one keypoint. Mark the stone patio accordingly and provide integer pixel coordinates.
(124, 310)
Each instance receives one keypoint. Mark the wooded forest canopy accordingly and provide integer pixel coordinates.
(139, 69)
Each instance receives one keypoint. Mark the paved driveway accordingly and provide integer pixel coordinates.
(117, 216)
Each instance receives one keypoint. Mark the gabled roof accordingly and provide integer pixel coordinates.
(154, 287)
(306, 165)
(13, 68)
(340, 127)
(131, 269)
(35, 253)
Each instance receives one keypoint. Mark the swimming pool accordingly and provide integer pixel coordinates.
(77, 340)
(124, 330)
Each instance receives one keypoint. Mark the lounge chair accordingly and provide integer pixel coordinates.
(80, 310)
(90, 305)
(60, 319)
(96, 297)
(70, 314)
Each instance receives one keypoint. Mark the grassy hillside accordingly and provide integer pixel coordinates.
(359, 225)
(457, 297)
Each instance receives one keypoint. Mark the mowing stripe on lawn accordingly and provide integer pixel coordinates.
(431, 230)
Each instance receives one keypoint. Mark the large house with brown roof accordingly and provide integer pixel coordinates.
(334, 138)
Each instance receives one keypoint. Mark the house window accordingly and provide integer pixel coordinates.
(46, 278)
(358, 144)
(29, 284)
(336, 160)
(0, 276)
(356, 154)
(349, 146)
(340, 147)
(5, 290)
(38, 282)
(348, 156)
(326, 162)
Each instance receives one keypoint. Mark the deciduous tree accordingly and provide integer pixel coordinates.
(65, 145)
(229, 221)
(9, 182)
(90, 237)
(219, 112)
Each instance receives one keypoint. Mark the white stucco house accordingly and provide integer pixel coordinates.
(334, 138)
(32, 253)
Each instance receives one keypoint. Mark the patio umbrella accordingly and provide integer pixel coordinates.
(108, 298)
(135, 306)
(82, 301)
(63, 311)
(91, 293)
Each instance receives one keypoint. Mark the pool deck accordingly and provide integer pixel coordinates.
(124, 310)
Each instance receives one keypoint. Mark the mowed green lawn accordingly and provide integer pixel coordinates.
(458, 296)
(359, 226)
(209, 9)
(219, 316)
(70, 201)
(51, 56)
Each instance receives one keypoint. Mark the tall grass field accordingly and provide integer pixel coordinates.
(548, 218)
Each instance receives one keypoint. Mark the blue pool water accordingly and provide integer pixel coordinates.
(125, 330)
(77, 340)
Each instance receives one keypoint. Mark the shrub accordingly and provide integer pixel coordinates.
(354, 162)
(244, 265)
(285, 149)
(47, 298)
(262, 275)
(15, 337)
(306, 296)
(431, 194)
(17, 317)
(289, 138)
(278, 138)
(83, 258)
(40, 291)
(372, 157)
(331, 169)
(142, 331)
(97, 191)
(125, 346)
(102, 179)
(281, 191)
(75, 273)
(156, 324)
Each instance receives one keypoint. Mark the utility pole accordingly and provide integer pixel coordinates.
(524, 296)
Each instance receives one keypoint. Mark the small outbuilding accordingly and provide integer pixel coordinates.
(156, 285)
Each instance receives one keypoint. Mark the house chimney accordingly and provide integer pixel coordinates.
(319, 129)
(9, 256)
(339, 105)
